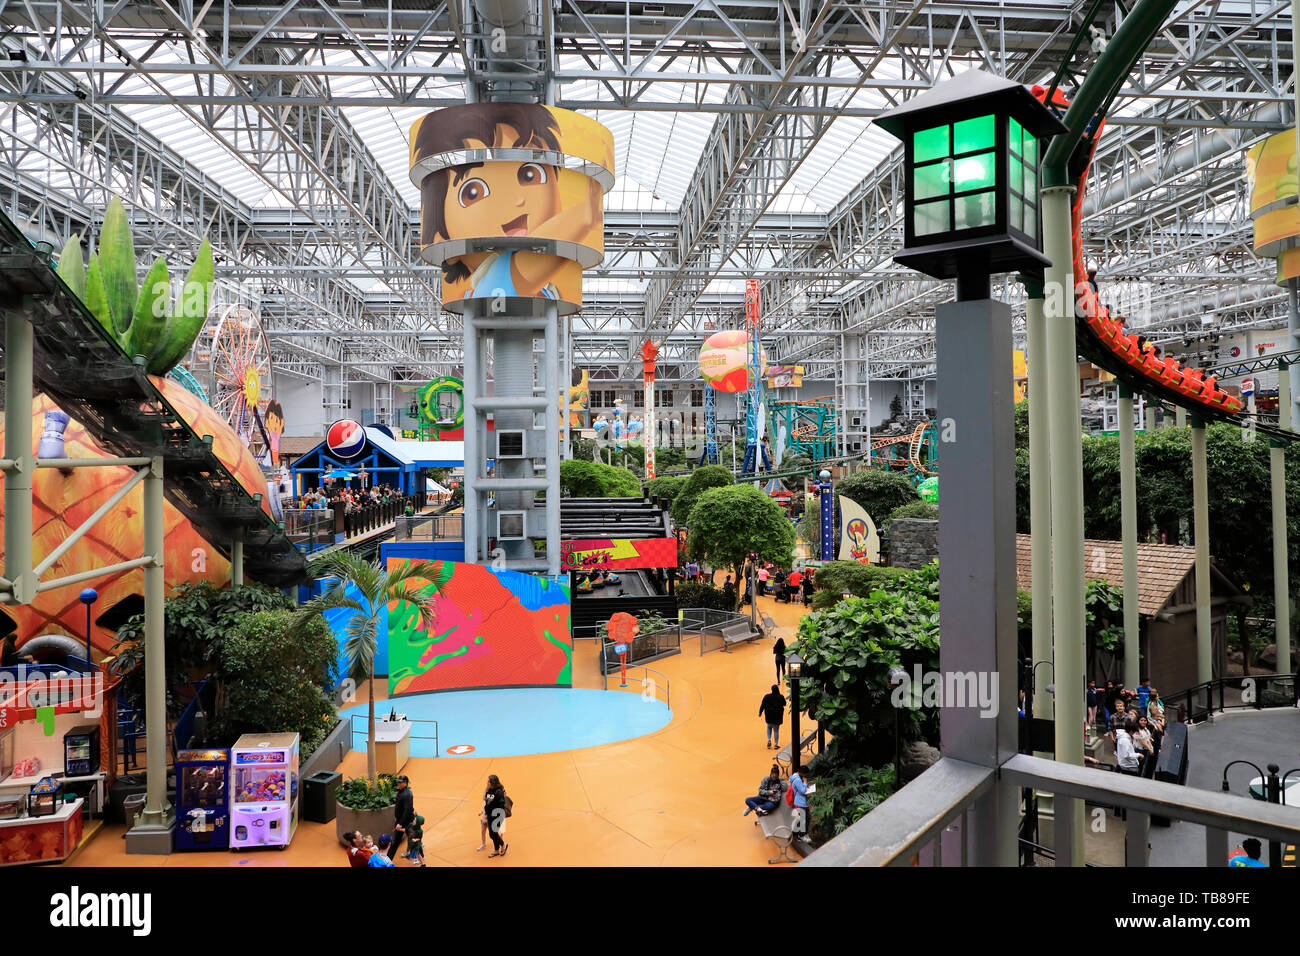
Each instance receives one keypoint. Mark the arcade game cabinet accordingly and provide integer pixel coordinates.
(202, 800)
(264, 804)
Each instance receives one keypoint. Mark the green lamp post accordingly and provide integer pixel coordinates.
(971, 153)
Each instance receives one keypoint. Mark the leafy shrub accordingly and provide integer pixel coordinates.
(915, 509)
(700, 481)
(275, 679)
(823, 599)
(590, 479)
(878, 491)
(665, 486)
(705, 595)
(357, 794)
(848, 652)
(858, 579)
(846, 792)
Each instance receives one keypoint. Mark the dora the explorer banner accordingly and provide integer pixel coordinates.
(511, 200)
(1271, 170)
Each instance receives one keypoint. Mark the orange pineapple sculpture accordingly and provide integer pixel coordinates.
(63, 500)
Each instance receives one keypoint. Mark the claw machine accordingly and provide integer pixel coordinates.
(264, 797)
(202, 799)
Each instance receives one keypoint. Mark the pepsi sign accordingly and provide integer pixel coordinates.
(345, 439)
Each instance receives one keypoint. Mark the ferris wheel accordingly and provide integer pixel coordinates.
(233, 354)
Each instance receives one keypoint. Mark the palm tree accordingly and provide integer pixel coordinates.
(378, 587)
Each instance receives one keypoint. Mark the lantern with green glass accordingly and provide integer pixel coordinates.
(971, 152)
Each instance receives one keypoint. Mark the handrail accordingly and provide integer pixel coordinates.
(365, 731)
(668, 691)
(910, 818)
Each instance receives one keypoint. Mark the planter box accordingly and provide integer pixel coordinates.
(369, 822)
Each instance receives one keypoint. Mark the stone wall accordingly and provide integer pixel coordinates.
(913, 542)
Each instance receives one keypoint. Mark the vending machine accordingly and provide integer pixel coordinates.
(264, 799)
(202, 799)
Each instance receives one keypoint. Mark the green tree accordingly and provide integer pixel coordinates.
(665, 486)
(877, 490)
(276, 676)
(591, 479)
(197, 618)
(377, 587)
(700, 481)
(1022, 424)
(728, 524)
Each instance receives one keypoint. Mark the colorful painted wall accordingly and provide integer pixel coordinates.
(492, 628)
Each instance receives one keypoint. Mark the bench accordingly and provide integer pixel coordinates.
(783, 756)
(769, 626)
(778, 826)
(738, 632)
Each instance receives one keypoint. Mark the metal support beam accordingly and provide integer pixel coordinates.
(1067, 506)
(1040, 501)
(18, 449)
(1277, 489)
(1128, 533)
(1201, 533)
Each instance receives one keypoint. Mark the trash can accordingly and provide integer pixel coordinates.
(132, 807)
(319, 792)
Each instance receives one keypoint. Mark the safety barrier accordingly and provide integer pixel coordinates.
(365, 732)
(429, 528)
(648, 685)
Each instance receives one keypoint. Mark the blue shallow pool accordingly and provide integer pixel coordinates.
(514, 723)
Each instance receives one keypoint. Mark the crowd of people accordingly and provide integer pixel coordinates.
(353, 499)
(408, 827)
(1134, 722)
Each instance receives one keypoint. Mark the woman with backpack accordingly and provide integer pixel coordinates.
(496, 807)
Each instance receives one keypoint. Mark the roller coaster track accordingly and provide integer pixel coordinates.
(92, 379)
(1102, 340)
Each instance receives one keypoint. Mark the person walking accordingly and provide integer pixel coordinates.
(1092, 703)
(778, 651)
(403, 814)
(496, 807)
(772, 710)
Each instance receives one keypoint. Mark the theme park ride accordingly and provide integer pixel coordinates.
(920, 452)
(93, 352)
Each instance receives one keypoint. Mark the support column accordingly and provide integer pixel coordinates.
(19, 450)
(1040, 500)
(473, 450)
(237, 559)
(1180, 417)
(1067, 507)
(1201, 532)
(1128, 533)
(1277, 487)
(977, 554)
(152, 832)
(553, 380)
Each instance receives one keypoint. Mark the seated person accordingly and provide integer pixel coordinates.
(770, 791)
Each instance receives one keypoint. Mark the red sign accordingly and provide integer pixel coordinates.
(751, 302)
(460, 749)
(590, 554)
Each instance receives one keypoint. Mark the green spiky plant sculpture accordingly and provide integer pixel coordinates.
(144, 320)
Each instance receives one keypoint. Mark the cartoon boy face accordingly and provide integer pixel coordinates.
(505, 198)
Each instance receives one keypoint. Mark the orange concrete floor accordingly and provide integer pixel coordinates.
(671, 798)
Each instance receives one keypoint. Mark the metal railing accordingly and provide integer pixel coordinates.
(943, 817)
(428, 528)
(309, 528)
(643, 647)
(364, 732)
(1198, 702)
(648, 685)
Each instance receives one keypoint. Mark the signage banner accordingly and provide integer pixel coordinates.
(591, 554)
(859, 540)
(751, 302)
(784, 376)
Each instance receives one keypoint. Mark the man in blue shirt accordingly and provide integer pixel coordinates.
(1251, 856)
(381, 858)
(1144, 694)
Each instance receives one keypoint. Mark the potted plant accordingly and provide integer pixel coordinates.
(375, 588)
(363, 807)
